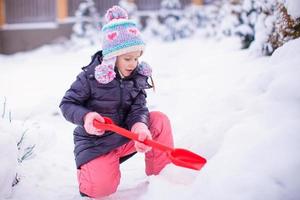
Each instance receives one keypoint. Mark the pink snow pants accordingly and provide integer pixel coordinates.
(101, 176)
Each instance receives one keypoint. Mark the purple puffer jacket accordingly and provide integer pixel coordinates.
(123, 100)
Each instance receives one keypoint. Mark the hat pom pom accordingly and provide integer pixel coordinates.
(116, 12)
(104, 73)
(145, 69)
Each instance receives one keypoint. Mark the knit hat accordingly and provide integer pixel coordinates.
(121, 35)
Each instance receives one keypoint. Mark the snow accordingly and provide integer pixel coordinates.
(38, 25)
(263, 28)
(8, 163)
(239, 111)
(293, 7)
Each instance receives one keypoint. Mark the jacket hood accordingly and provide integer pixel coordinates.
(104, 70)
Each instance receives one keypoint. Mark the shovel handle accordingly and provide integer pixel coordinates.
(179, 157)
(108, 125)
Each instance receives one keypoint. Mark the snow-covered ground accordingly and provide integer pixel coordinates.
(239, 111)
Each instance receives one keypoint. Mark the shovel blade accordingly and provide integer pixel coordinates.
(187, 159)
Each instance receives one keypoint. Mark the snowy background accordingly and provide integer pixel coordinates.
(237, 109)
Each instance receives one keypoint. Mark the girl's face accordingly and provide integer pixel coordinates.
(126, 63)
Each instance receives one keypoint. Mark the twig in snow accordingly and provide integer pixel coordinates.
(4, 107)
(27, 154)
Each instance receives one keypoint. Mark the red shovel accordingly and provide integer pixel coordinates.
(179, 157)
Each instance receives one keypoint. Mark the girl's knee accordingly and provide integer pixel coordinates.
(98, 180)
(104, 189)
(99, 187)
(160, 128)
(157, 117)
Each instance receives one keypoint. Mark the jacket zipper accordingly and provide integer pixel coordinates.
(121, 100)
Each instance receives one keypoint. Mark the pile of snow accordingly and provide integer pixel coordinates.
(19, 141)
(249, 112)
(8, 160)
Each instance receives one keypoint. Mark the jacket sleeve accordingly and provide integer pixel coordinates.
(72, 104)
(138, 111)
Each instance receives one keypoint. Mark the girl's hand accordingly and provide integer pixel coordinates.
(143, 133)
(88, 123)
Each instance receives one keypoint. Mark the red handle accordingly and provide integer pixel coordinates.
(110, 126)
(179, 157)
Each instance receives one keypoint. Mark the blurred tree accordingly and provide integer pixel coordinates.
(247, 18)
(86, 28)
(129, 6)
(174, 23)
(273, 27)
(262, 25)
(285, 28)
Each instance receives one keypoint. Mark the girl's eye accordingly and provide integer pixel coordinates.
(127, 59)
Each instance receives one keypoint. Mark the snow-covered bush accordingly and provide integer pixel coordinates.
(273, 28)
(14, 149)
(132, 11)
(129, 6)
(206, 18)
(217, 19)
(170, 23)
(262, 25)
(266, 25)
(285, 28)
(247, 18)
(234, 18)
(229, 17)
(87, 25)
(175, 24)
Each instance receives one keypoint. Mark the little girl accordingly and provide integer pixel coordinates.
(113, 85)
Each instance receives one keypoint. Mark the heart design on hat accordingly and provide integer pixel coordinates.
(133, 31)
(111, 36)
